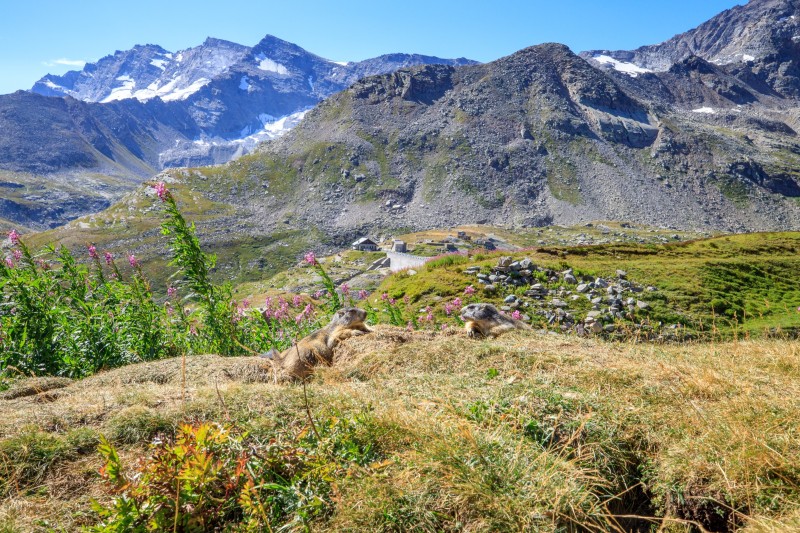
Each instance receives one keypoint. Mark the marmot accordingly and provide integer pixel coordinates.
(297, 362)
(482, 320)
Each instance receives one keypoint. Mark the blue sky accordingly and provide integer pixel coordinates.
(37, 37)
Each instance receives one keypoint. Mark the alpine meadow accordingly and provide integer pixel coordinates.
(248, 288)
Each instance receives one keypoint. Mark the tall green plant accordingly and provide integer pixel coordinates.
(216, 310)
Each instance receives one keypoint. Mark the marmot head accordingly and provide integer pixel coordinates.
(349, 316)
(478, 312)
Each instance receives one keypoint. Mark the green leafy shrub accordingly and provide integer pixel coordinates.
(211, 478)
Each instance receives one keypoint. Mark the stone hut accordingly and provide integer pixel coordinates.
(365, 244)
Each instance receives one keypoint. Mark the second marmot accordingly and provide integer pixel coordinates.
(483, 320)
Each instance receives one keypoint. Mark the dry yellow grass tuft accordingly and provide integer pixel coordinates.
(524, 432)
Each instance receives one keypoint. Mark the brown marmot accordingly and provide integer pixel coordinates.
(483, 320)
(297, 362)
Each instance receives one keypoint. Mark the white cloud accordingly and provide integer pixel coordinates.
(65, 62)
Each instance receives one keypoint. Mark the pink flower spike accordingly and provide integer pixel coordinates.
(296, 300)
(14, 236)
(362, 294)
(109, 258)
(171, 291)
(385, 296)
(93, 252)
(161, 191)
(310, 258)
(132, 260)
(9, 262)
(17, 255)
(516, 315)
(469, 291)
(457, 302)
(345, 288)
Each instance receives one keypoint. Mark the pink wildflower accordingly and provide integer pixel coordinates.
(305, 314)
(362, 294)
(310, 258)
(317, 295)
(385, 296)
(93, 252)
(171, 291)
(14, 236)
(406, 299)
(429, 317)
(296, 300)
(17, 255)
(345, 288)
(161, 190)
(392, 301)
(444, 327)
(109, 258)
(448, 309)
(469, 291)
(410, 326)
(516, 315)
(132, 260)
(245, 303)
(193, 330)
(9, 262)
(457, 302)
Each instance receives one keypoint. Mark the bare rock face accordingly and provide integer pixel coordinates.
(757, 42)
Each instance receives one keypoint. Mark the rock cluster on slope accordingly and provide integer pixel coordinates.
(566, 300)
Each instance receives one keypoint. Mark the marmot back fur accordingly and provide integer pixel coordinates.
(483, 320)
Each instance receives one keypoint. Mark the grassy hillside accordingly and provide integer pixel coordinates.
(435, 432)
(733, 285)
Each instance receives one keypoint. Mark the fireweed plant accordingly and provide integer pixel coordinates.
(59, 316)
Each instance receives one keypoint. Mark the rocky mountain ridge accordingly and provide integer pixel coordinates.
(758, 42)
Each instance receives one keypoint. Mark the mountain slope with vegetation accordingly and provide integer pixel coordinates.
(411, 426)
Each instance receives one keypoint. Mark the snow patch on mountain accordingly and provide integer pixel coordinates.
(123, 91)
(184, 93)
(268, 65)
(244, 84)
(630, 69)
(159, 63)
(705, 110)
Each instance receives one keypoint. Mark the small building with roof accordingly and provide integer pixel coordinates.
(365, 244)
